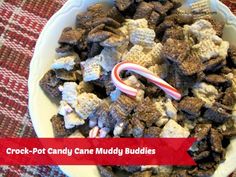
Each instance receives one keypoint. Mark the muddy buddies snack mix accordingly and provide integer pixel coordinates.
(185, 48)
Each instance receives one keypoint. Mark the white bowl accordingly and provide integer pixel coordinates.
(41, 108)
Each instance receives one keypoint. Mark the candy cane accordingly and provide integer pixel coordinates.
(167, 88)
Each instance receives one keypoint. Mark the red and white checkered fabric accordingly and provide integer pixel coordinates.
(21, 21)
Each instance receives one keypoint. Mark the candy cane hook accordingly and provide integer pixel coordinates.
(118, 82)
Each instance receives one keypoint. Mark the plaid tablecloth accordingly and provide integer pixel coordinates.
(21, 21)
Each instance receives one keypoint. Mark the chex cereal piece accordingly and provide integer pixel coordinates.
(123, 4)
(121, 108)
(154, 19)
(87, 103)
(66, 63)
(95, 49)
(170, 109)
(143, 36)
(173, 130)
(92, 68)
(101, 114)
(109, 85)
(214, 64)
(160, 106)
(143, 10)
(126, 103)
(145, 60)
(201, 29)
(223, 49)
(216, 114)
(72, 119)
(117, 113)
(50, 83)
(155, 53)
(218, 26)
(64, 108)
(134, 24)
(217, 80)
(69, 93)
(229, 98)
(106, 21)
(76, 134)
(163, 8)
(124, 29)
(84, 87)
(174, 33)
(152, 132)
(140, 95)
(191, 106)
(137, 127)
(109, 58)
(64, 50)
(201, 9)
(207, 93)
(166, 109)
(67, 75)
(146, 111)
(184, 16)
(136, 55)
(58, 126)
(71, 36)
(114, 41)
(216, 140)
(115, 14)
(98, 36)
(166, 24)
(85, 19)
(191, 65)
(175, 54)
(201, 130)
(159, 70)
(207, 49)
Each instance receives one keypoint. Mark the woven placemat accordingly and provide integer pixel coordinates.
(21, 21)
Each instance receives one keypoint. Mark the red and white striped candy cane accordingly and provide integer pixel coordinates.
(118, 82)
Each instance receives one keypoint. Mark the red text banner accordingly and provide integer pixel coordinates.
(95, 151)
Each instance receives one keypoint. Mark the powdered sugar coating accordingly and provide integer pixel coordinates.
(64, 108)
(64, 63)
(205, 92)
(109, 58)
(92, 68)
(69, 93)
(87, 103)
(173, 130)
(72, 120)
